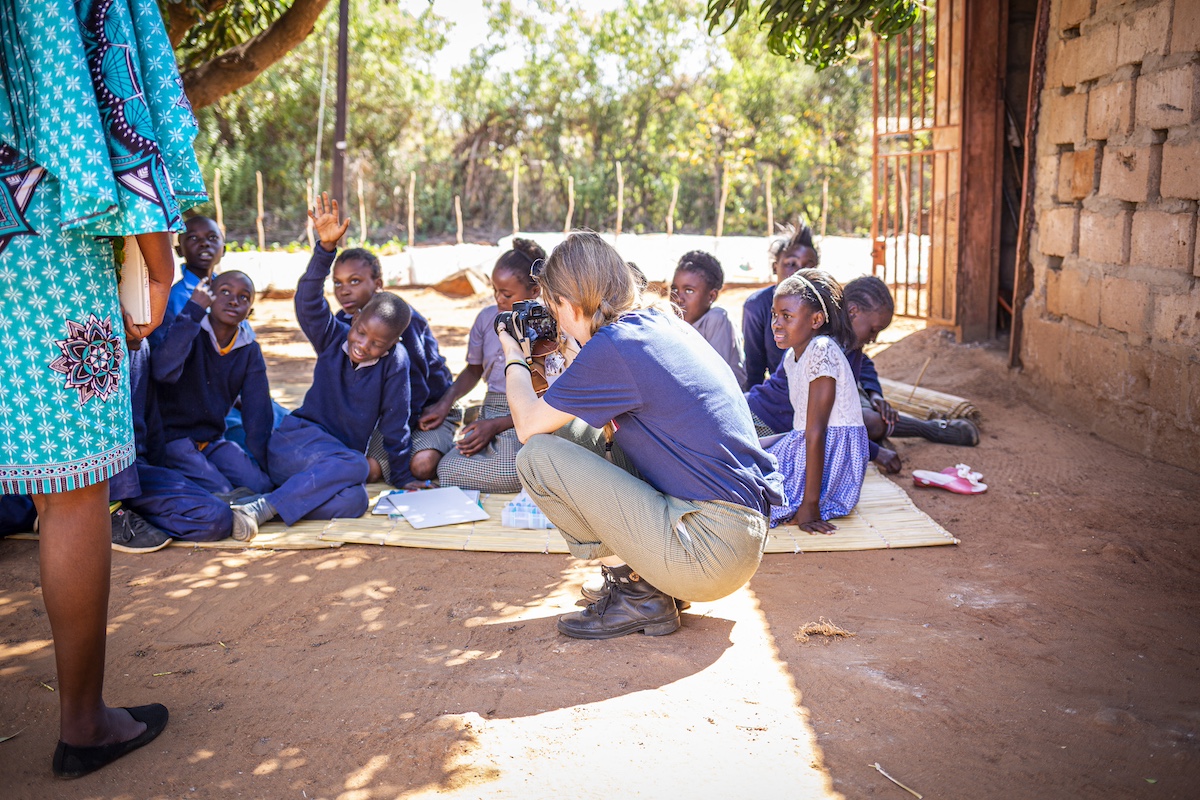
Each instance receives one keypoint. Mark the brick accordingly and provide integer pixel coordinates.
(1125, 305)
(1056, 231)
(1096, 52)
(1181, 169)
(1125, 173)
(1076, 172)
(1167, 98)
(1162, 239)
(1064, 117)
(1185, 28)
(1177, 318)
(1196, 251)
(1110, 110)
(1165, 381)
(1144, 33)
(1079, 295)
(1073, 12)
(1102, 236)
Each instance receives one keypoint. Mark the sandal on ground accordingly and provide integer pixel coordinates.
(75, 762)
(959, 479)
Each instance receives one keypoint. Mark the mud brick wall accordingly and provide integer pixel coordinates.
(1112, 326)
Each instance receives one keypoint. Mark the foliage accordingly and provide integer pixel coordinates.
(822, 32)
(217, 27)
(557, 91)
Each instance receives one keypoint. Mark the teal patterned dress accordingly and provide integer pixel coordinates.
(95, 142)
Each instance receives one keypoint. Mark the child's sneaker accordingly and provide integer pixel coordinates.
(133, 534)
(247, 516)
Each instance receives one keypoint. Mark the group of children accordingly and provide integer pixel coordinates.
(217, 458)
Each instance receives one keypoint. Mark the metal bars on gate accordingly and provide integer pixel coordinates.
(916, 142)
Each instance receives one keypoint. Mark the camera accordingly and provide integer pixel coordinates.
(529, 321)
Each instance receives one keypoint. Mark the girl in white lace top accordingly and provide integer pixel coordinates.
(824, 457)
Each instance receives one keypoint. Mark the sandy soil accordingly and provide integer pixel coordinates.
(1054, 653)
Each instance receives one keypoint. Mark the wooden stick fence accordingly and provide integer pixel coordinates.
(516, 196)
(724, 200)
(362, 213)
(671, 209)
(570, 203)
(770, 207)
(258, 222)
(217, 200)
(412, 212)
(620, 197)
(458, 218)
(308, 226)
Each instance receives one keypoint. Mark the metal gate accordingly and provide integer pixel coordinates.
(916, 162)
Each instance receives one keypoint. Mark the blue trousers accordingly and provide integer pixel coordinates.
(218, 468)
(172, 503)
(16, 514)
(318, 476)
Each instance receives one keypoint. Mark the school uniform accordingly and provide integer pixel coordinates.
(762, 356)
(317, 455)
(718, 330)
(168, 500)
(197, 383)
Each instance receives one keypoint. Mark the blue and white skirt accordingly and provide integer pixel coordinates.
(846, 457)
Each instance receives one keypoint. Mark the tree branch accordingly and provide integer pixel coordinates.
(239, 65)
(181, 17)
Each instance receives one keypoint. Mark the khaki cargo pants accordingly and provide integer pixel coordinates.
(692, 550)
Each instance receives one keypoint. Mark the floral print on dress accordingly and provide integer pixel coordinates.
(91, 358)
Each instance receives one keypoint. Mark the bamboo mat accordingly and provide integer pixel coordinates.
(884, 518)
(926, 403)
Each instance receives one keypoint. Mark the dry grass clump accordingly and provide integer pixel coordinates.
(822, 627)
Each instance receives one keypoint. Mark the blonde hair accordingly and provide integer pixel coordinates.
(588, 272)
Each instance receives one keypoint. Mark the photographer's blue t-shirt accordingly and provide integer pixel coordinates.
(680, 415)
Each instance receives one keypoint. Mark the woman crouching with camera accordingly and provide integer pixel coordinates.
(655, 469)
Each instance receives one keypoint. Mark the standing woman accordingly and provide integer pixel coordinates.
(673, 494)
(95, 142)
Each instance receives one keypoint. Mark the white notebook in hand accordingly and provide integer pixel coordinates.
(135, 284)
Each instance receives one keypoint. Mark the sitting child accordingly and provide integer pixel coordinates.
(694, 288)
(869, 308)
(788, 255)
(201, 246)
(486, 453)
(206, 361)
(360, 381)
(823, 459)
(357, 276)
(156, 501)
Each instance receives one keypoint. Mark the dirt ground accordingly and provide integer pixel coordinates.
(1054, 653)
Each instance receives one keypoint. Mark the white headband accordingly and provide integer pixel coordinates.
(820, 299)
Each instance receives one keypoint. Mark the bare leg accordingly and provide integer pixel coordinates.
(76, 565)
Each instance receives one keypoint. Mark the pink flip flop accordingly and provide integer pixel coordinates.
(959, 479)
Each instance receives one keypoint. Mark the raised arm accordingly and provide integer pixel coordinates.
(172, 352)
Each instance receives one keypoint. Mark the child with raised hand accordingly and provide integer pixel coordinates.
(824, 457)
(694, 288)
(788, 255)
(486, 454)
(201, 246)
(206, 361)
(357, 276)
(317, 455)
(869, 309)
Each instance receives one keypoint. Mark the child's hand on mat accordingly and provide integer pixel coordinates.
(434, 416)
(325, 222)
(476, 436)
(374, 471)
(808, 518)
(889, 460)
(202, 295)
(416, 486)
(889, 414)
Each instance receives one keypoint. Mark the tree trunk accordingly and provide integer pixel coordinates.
(238, 66)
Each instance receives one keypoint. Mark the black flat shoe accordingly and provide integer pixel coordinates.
(75, 762)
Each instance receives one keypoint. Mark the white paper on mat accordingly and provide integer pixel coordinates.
(431, 508)
(385, 504)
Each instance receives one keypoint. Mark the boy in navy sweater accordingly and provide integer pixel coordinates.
(361, 381)
(357, 276)
(206, 361)
(162, 496)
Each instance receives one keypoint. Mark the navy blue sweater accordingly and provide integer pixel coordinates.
(349, 401)
(762, 355)
(196, 385)
(428, 375)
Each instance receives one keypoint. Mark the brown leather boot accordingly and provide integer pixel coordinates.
(630, 605)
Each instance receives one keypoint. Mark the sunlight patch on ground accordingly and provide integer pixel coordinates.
(734, 729)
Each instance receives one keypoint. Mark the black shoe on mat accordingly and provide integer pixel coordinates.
(132, 534)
